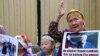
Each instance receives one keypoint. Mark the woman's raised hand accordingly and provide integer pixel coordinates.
(61, 10)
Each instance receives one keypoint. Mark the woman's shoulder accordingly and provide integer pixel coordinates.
(40, 53)
(55, 52)
(66, 30)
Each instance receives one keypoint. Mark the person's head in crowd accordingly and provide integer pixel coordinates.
(2, 30)
(75, 20)
(83, 38)
(47, 44)
(24, 47)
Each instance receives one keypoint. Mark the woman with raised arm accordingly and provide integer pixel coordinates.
(74, 19)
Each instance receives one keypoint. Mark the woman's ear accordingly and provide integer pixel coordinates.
(83, 23)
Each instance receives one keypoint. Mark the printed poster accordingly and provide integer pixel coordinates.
(85, 43)
(8, 45)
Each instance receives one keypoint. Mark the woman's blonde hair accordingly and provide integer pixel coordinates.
(73, 11)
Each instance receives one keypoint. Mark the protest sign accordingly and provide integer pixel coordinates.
(8, 46)
(84, 43)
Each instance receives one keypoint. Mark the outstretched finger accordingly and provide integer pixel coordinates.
(61, 4)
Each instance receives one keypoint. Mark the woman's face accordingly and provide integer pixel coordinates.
(46, 46)
(75, 21)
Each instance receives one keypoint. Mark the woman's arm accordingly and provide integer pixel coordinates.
(53, 27)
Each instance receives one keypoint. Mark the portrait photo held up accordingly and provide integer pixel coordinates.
(84, 43)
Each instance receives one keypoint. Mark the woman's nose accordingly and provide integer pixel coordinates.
(73, 22)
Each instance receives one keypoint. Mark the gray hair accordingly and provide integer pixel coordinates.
(47, 37)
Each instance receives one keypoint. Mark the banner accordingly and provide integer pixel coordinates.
(84, 43)
(8, 46)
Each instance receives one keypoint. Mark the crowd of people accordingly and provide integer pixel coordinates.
(75, 20)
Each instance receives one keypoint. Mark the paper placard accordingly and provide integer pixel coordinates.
(84, 43)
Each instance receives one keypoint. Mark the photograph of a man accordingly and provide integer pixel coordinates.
(83, 43)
